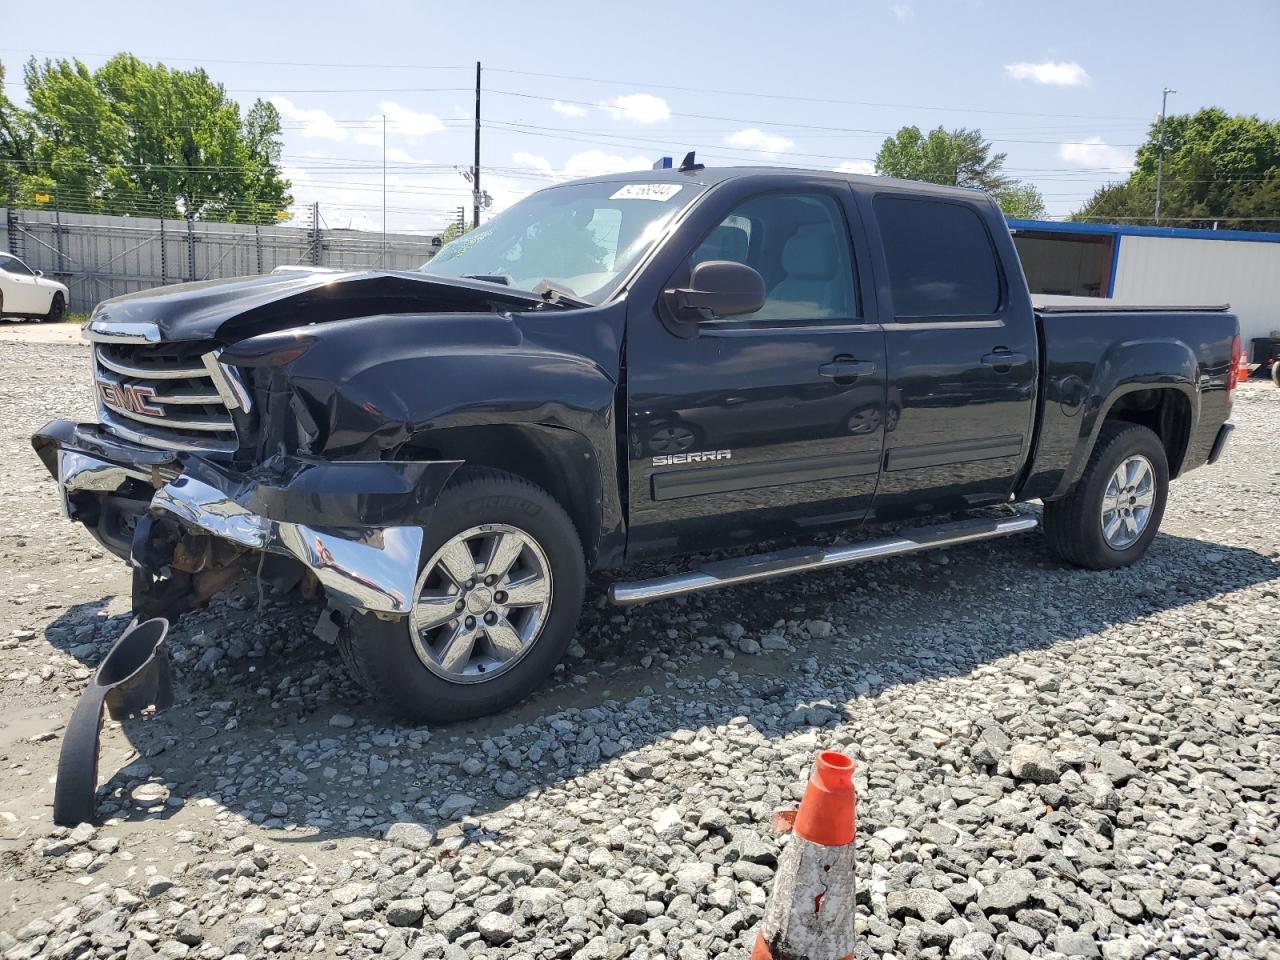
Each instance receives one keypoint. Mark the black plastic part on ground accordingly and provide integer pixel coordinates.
(133, 675)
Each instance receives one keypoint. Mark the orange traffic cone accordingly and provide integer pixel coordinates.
(810, 911)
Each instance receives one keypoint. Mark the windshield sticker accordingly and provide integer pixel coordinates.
(647, 191)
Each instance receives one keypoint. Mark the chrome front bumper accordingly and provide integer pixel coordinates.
(338, 519)
(371, 569)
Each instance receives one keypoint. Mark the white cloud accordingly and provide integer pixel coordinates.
(1056, 73)
(505, 191)
(903, 11)
(314, 123)
(754, 139)
(1096, 153)
(642, 108)
(401, 122)
(568, 109)
(864, 167)
(588, 163)
(592, 163)
(532, 161)
(397, 155)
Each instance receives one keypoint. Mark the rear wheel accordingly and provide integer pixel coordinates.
(1275, 373)
(57, 309)
(499, 594)
(1115, 511)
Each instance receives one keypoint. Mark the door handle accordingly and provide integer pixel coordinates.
(846, 368)
(1003, 360)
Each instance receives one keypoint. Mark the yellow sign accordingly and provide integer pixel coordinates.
(282, 215)
(43, 198)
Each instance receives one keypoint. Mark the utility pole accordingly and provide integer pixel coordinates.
(475, 170)
(1164, 100)
(383, 261)
(315, 233)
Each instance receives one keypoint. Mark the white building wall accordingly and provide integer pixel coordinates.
(1243, 273)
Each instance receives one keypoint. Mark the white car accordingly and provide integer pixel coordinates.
(29, 293)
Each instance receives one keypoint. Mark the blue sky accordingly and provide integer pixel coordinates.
(573, 88)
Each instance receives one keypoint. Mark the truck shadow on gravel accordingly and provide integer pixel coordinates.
(267, 725)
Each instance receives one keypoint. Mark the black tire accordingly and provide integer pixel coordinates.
(380, 654)
(57, 309)
(1073, 524)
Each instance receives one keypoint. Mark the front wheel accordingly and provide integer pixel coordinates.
(1114, 512)
(499, 593)
(57, 309)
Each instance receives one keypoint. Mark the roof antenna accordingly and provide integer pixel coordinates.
(689, 164)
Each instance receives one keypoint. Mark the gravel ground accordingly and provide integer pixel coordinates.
(1051, 762)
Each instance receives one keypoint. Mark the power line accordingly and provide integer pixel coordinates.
(753, 94)
(756, 95)
(252, 63)
(788, 125)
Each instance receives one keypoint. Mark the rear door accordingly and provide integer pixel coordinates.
(765, 424)
(961, 346)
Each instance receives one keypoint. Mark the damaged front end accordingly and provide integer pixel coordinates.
(190, 528)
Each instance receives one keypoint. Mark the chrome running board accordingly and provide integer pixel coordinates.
(763, 566)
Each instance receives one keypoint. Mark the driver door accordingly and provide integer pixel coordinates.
(768, 424)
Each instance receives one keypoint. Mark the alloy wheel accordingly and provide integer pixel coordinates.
(482, 600)
(1127, 502)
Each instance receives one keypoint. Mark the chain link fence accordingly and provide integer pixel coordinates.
(99, 256)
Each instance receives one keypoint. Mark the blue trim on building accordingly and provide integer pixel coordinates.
(1115, 265)
(1126, 230)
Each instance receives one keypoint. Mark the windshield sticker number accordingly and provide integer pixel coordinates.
(647, 191)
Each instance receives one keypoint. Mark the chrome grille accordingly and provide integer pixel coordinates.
(170, 395)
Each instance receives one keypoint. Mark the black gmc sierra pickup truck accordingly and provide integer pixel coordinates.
(616, 369)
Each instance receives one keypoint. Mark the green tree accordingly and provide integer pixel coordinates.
(1021, 201)
(959, 158)
(1218, 168)
(146, 140)
(453, 231)
(16, 141)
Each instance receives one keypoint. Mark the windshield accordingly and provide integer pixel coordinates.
(580, 237)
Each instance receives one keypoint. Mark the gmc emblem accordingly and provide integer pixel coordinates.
(131, 398)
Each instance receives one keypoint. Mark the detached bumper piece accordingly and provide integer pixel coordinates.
(190, 527)
(1220, 442)
(133, 676)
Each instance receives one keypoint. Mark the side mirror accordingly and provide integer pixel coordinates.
(39, 273)
(718, 288)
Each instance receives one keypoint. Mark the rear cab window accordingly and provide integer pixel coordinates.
(941, 260)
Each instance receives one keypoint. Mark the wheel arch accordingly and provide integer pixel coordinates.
(1150, 381)
(561, 461)
(1166, 412)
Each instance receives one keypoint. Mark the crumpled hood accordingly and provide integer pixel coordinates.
(229, 310)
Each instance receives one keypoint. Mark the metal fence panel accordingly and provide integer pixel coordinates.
(99, 256)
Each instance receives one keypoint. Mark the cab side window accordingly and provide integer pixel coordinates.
(14, 265)
(941, 260)
(799, 244)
